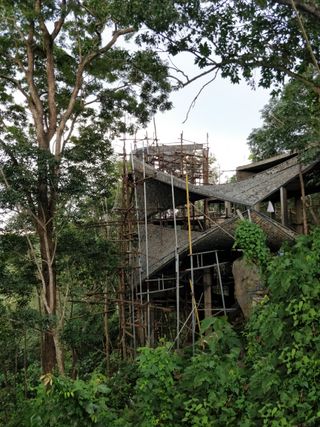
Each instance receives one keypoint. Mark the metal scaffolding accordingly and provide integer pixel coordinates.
(143, 295)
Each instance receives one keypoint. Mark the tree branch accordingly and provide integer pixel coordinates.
(199, 93)
(16, 83)
(33, 252)
(51, 80)
(35, 103)
(59, 24)
(78, 84)
(305, 36)
(73, 122)
(308, 8)
(116, 34)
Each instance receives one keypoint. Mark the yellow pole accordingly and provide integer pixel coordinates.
(190, 253)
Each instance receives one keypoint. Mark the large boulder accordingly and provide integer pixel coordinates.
(248, 286)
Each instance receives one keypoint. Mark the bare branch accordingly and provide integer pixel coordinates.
(305, 36)
(50, 260)
(39, 269)
(73, 122)
(199, 93)
(211, 70)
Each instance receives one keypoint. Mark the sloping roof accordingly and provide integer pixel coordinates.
(262, 165)
(161, 240)
(259, 187)
(247, 192)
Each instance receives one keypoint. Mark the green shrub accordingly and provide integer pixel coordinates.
(62, 402)
(283, 341)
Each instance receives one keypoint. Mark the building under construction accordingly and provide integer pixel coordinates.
(177, 234)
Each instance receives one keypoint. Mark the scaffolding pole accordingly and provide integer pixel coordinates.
(124, 249)
(147, 244)
(176, 262)
(138, 222)
(195, 313)
(220, 283)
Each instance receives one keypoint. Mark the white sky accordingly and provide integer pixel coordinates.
(226, 112)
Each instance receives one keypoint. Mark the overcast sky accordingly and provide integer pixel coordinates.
(226, 112)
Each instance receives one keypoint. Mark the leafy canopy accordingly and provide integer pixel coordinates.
(278, 37)
(67, 87)
(291, 122)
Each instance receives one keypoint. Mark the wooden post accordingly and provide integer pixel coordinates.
(284, 206)
(299, 215)
(227, 206)
(106, 330)
(207, 281)
(303, 198)
(152, 321)
(140, 326)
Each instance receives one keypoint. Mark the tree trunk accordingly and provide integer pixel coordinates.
(49, 352)
(52, 351)
(49, 295)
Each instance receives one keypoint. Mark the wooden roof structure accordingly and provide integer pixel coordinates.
(161, 240)
(247, 192)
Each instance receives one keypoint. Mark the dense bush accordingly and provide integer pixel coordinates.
(283, 342)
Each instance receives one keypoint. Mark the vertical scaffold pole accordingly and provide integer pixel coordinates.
(133, 320)
(138, 226)
(176, 262)
(220, 283)
(124, 249)
(147, 244)
(140, 314)
(195, 313)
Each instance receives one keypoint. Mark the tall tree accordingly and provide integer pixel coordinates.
(67, 84)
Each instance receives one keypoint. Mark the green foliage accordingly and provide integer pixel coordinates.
(284, 342)
(290, 123)
(215, 377)
(61, 402)
(268, 375)
(251, 239)
(155, 390)
(17, 271)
